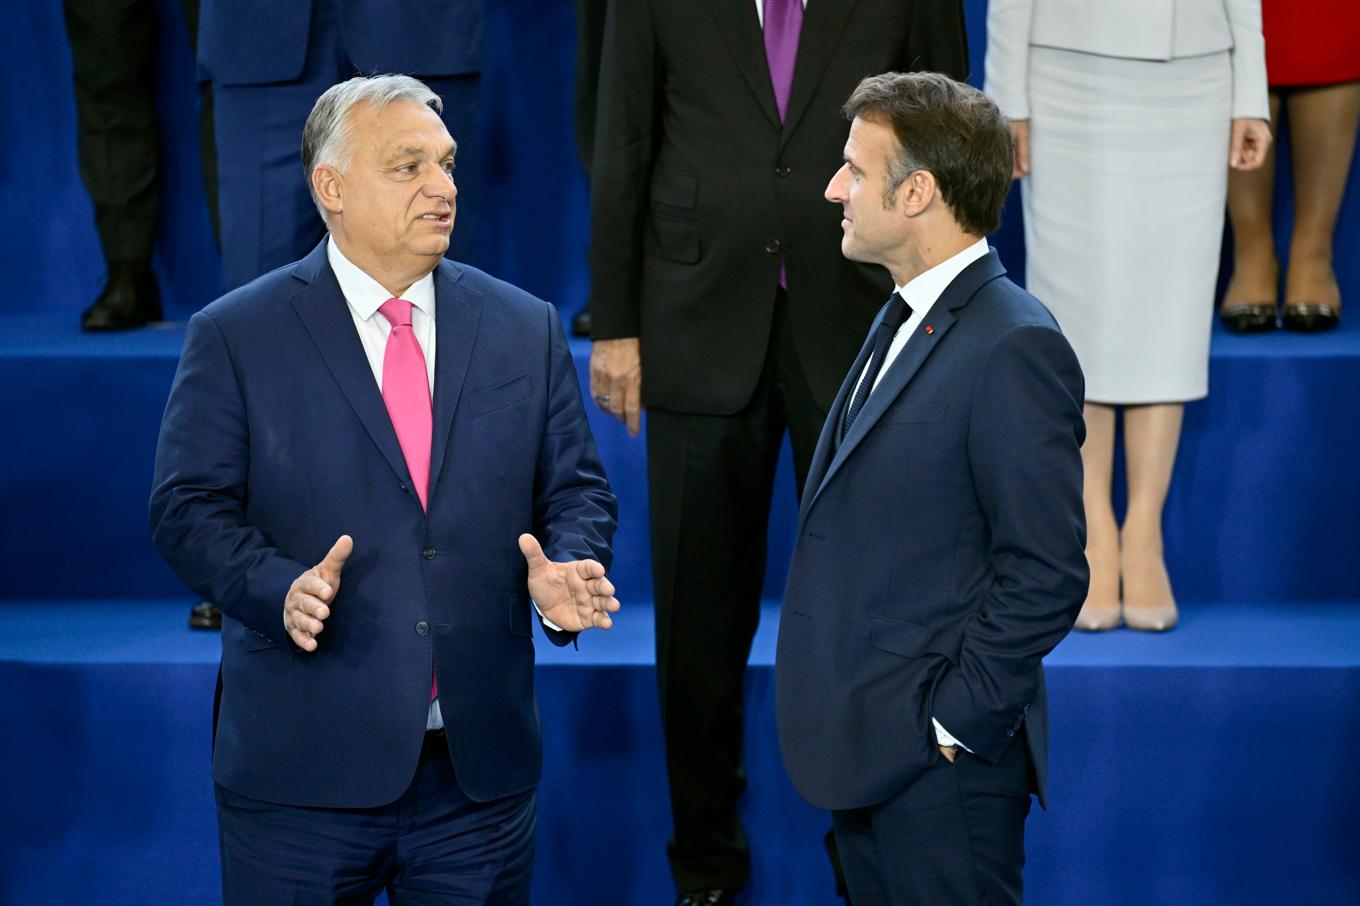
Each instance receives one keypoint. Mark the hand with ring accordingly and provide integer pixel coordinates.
(616, 379)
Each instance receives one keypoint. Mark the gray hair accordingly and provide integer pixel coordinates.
(326, 138)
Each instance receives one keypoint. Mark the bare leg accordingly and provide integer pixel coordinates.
(1256, 269)
(1151, 434)
(1322, 126)
(1101, 610)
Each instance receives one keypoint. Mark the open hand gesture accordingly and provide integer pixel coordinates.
(308, 602)
(575, 595)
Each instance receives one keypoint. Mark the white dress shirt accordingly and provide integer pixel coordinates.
(921, 294)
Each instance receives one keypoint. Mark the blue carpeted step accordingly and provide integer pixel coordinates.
(1262, 507)
(1160, 747)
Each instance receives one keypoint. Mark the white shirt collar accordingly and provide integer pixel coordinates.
(924, 290)
(366, 295)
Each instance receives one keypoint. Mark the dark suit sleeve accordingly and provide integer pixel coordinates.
(198, 495)
(625, 143)
(1024, 452)
(575, 513)
(938, 40)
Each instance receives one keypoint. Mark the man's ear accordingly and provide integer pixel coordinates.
(327, 183)
(917, 192)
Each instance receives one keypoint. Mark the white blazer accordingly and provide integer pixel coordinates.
(1137, 29)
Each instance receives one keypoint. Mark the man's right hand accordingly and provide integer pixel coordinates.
(1020, 135)
(307, 604)
(616, 379)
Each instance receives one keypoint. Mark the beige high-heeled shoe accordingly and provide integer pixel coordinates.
(1098, 616)
(1151, 617)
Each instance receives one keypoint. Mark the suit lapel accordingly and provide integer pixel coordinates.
(823, 23)
(326, 316)
(826, 442)
(458, 312)
(740, 28)
(941, 319)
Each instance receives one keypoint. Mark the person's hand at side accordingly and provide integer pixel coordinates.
(1250, 142)
(572, 596)
(307, 605)
(616, 379)
(1020, 138)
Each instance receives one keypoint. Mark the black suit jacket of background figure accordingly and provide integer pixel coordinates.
(699, 192)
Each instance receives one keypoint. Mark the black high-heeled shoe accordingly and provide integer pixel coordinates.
(1311, 317)
(1248, 317)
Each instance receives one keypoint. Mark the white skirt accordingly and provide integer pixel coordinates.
(1124, 214)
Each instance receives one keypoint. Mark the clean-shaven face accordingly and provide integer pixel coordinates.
(870, 231)
(398, 193)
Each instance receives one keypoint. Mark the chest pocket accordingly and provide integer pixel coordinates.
(500, 396)
(922, 413)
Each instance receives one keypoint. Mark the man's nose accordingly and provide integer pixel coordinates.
(833, 188)
(442, 186)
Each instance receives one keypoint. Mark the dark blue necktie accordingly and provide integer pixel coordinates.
(893, 318)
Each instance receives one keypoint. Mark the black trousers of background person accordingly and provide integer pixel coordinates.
(114, 49)
(710, 479)
(955, 836)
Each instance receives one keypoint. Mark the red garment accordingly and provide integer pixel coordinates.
(1311, 42)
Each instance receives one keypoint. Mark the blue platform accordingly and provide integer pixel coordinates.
(1212, 765)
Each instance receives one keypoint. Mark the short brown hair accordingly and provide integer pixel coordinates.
(949, 128)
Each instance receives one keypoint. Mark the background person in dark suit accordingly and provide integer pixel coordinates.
(398, 421)
(268, 62)
(720, 301)
(940, 545)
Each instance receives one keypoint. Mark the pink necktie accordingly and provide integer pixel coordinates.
(406, 391)
(783, 25)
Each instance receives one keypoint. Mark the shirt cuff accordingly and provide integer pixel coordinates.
(945, 738)
(546, 622)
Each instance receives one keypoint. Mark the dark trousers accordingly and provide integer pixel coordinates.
(954, 837)
(431, 846)
(114, 45)
(268, 217)
(710, 479)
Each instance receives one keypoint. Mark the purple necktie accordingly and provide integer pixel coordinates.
(783, 22)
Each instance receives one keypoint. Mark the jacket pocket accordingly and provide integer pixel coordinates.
(674, 240)
(521, 620)
(909, 640)
(501, 396)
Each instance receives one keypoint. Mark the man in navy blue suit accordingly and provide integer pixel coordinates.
(269, 60)
(378, 463)
(939, 555)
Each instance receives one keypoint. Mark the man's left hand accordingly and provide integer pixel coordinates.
(950, 753)
(575, 595)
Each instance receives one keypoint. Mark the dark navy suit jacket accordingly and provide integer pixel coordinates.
(276, 441)
(940, 551)
(254, 42)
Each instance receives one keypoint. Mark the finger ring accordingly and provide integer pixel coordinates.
(602, 399)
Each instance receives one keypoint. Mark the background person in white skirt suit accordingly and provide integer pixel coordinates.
(1124, 113)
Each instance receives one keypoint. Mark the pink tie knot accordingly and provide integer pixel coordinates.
(397, 312)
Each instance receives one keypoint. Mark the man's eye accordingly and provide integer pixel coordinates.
(406, 168)
(448, 167)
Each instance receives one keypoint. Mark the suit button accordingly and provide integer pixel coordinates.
(783, 170)
(772, 246)
(1010, 733)
(428, 552)
(422, 628)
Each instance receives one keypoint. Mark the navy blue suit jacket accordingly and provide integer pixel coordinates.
(940, 551)
(276, 441)
(255, 42)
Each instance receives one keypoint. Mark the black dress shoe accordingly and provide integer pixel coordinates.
(1248, 317)
(204, 616)
(130, 299)
(706, 898)
(1311, 317)
(580, 325)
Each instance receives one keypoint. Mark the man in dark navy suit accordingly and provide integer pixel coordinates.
(377, 462)
(268, 61)
(939, 555)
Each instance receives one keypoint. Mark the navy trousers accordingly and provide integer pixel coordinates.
(431, 846)
(954, 837)
(267, 215)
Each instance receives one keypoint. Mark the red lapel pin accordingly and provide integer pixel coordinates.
(929, 329)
